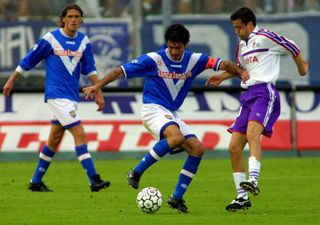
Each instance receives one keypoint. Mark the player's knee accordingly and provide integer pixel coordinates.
(176, 140)
(252, 137)
(196, 149)
(234, 149)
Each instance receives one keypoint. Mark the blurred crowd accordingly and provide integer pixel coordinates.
(43, 9)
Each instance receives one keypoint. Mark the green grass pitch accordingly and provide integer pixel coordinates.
(290, 193)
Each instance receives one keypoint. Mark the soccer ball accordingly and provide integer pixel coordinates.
(149, 200)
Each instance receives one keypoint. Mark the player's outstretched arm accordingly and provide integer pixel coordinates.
(302, 65)
(231, 67)
(99, 96)
(215, 80)
(111, 76)
(7, 88)
(234, 70)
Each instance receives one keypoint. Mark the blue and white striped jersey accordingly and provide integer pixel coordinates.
(65, 58)
(260, 55)
(167, 82)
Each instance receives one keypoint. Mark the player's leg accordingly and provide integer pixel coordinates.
(254, 163)
(81, 147)
(264, 112)
(236, 146)
(173, 138)
(65, 111)
(161, 124)
(45, 158)
(195, 151)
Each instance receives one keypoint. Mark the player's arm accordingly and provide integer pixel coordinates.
(99, 96)
(232, 68)
(302, 65)
(7, 88)
(215, 80)
(280, 44)
(111, 76)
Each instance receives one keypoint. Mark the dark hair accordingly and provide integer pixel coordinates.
(177, 33)
(245, 14)
(65, 11)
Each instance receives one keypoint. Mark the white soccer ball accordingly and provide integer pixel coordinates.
(149, 200)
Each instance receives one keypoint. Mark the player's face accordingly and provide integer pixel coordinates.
(243, 31)
(72, 21)
(176, 50)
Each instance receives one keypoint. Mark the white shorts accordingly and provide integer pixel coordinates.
(64, 112)
(156, 118)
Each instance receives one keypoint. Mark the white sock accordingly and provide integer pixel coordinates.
(254, 169)
(239, 177)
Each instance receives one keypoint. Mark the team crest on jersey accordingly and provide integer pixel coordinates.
(168, 117)
(256, 45)
(160, 63)
(73, 113)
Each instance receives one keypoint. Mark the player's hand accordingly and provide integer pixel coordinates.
(90, 92)
(305, 67)
(100, 101)
(214, 81)
(7, 88)
(244, 75)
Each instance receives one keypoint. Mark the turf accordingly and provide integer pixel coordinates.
(289, 194)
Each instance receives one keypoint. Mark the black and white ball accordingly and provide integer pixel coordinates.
(149, 200)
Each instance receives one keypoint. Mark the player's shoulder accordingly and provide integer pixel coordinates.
(51, 34)
(190, 55)
(156, 54)
(266, 33)
(81, 34)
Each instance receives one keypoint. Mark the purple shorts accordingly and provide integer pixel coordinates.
(260, 103)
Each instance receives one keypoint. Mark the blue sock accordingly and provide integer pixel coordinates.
(86, 161)
(159, 150)
(45, 158)
(188, 171)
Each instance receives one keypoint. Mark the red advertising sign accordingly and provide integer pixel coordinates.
(25, 126)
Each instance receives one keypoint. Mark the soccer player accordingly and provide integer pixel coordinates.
(67, 53)
(168, 74)
(258, 52)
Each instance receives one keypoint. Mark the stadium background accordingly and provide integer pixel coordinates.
(120, 31)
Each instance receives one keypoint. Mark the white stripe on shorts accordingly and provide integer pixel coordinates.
(84, 156)
(154, 154)
(187, 173)
(45, 157)
(270, 104)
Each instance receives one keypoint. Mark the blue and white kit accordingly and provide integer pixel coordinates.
(166, 85)
(66, 57)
